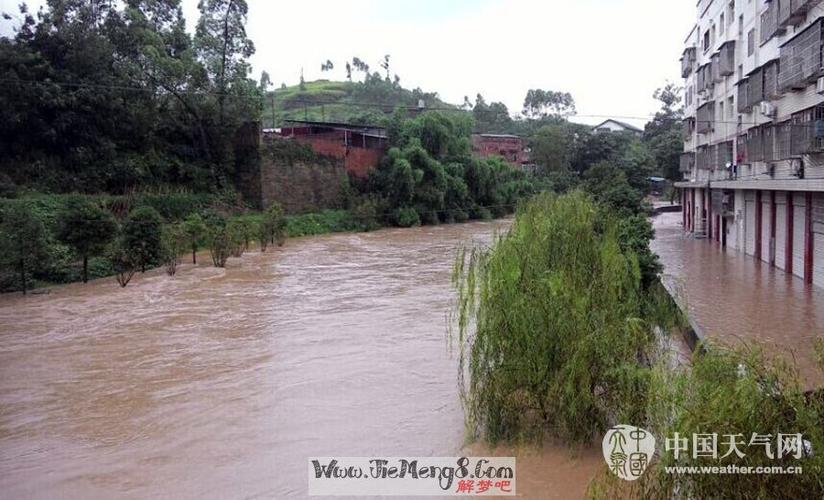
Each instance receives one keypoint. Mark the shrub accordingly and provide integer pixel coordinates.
(142, 237)
(123, 261)
(174, 240)
(86, 228)
(406, 217)
(195, 229)
(220, 241)
(23, 242)
(365, 213)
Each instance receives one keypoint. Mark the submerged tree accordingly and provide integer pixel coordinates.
(86, 228)
(23, 242)
(142, 237)
(195, 229)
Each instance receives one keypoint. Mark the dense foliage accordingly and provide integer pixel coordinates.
(552, 323)
(429, 174)
(103, 96)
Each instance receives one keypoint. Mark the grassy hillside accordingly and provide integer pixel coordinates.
(349, 102)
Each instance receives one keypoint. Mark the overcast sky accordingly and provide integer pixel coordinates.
(610, 54)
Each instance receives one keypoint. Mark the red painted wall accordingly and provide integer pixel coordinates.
(358, 161)
(509, 148)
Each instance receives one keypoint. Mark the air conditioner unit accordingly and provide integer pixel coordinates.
(767, 109)
(819, 87)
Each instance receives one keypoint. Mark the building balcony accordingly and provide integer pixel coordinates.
(705, 116)
(687, 163)
(726, 59)
(801, 58)
(688, 62)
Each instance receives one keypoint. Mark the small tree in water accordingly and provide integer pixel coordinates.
(273, 227)
(123, 261)
(220, 240)
(23, 242)
(195, 229)
(175, 240)
(86, 228)
(142, 237)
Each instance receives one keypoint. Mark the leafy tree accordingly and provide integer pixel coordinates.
(664, 134)
(542, 103)
(23, 242)
(86, 228)
(609, 185)
(174, 241)
(221, 242)
(221, 42)
(490, 118)
(552, 148)
(142, 237)
(123, 261)
(195, 229)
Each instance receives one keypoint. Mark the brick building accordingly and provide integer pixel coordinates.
(360, 147)
(511, 148)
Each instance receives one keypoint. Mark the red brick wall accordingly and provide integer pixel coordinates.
(509, 148)
(358, 161)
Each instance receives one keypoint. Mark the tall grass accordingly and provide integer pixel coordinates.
(551, 326)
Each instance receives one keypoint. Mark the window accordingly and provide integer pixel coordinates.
(731, 11)
(741, 26)
(706, 40)
(740, 72)
(721, 111)
(731, 108)
(751, 42)
(721, 24)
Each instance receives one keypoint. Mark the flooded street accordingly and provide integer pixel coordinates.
(220, 383)
(733, 297)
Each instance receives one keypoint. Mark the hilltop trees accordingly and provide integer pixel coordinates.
(540, 104)
(86, 228)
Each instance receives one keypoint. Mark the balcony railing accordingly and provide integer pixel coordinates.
(801, 58)
(726, 60)
(744, 96)
(686, 163)
(687, 62)
(704, 117)
(756, 92)
(771, 80)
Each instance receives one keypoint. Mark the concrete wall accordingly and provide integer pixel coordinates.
(302, 186)
(284, 171)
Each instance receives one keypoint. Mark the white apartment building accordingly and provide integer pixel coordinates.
(753, 159)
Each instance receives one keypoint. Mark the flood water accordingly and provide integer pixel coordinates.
(732, 297)
(220, 383)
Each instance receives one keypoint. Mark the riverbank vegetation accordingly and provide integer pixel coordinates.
(561, 317)
(560, 336)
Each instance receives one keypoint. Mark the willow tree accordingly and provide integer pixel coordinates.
(551, 328)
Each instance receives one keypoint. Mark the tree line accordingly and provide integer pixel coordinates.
(105, 96)
(141, 241)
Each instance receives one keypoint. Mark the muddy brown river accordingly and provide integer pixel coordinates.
(220, 383)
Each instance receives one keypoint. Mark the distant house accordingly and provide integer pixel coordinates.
(511, 148)
(617, 126)
(360, 147)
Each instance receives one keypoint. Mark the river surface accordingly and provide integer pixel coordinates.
(220, 383)
(734, 298)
